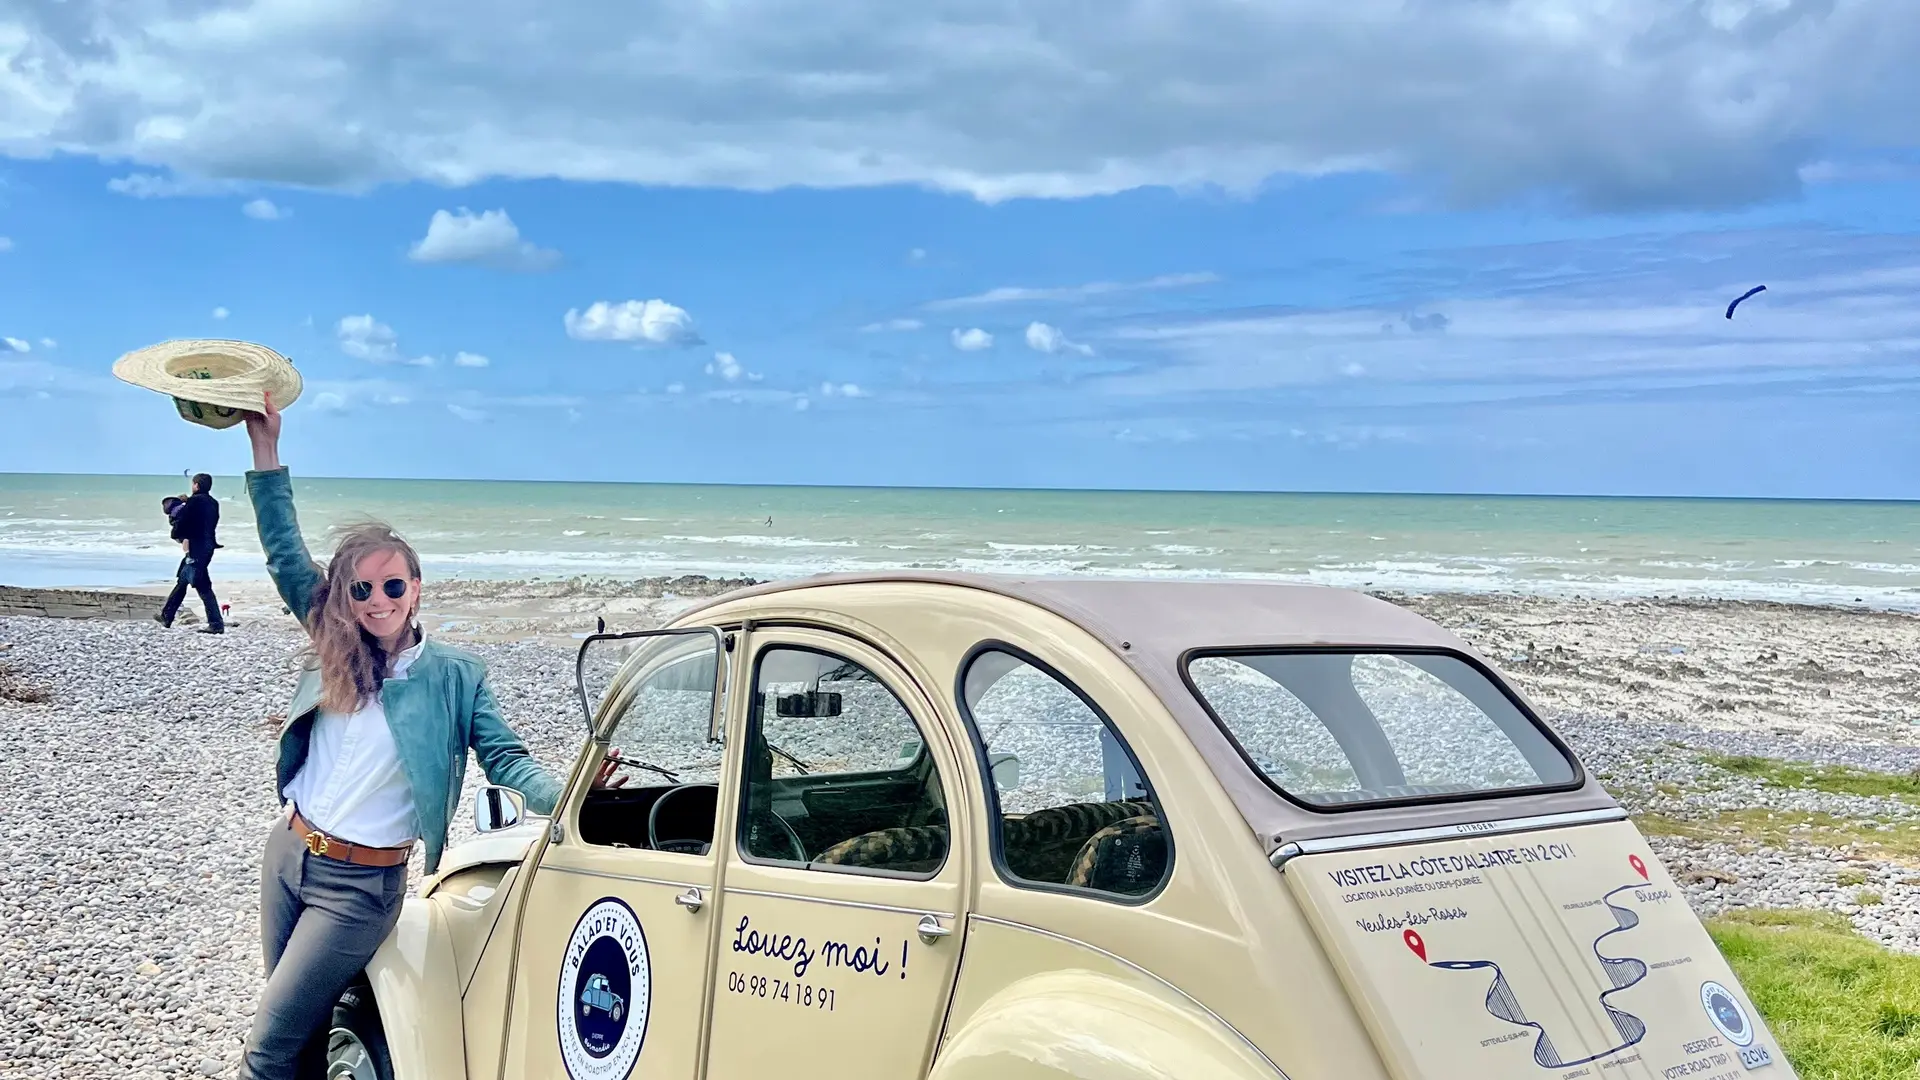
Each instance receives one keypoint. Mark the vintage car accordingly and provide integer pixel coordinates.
(976, 828)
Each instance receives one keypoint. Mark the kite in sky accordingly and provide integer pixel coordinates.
(1743, 296)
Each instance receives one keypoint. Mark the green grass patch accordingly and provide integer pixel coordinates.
(1843, 1007)
(1755, 827)
(1849, 878)
(1834, 779)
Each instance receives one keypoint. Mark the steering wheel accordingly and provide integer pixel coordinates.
(798, 850)
(682, 846)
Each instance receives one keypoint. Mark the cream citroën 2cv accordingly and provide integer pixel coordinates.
(974, 828)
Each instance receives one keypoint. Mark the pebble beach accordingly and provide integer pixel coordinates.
(136, 778)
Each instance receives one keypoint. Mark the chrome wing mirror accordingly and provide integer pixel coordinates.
(496, 808)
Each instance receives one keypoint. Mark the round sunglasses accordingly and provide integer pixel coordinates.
(394, 587)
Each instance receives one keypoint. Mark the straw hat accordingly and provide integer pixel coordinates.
(213, 382)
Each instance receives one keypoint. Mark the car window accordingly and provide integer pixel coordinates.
(1072, 808)
(1343, 728)
(659, 704)
(838, 775)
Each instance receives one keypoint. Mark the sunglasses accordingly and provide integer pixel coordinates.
(394, 587)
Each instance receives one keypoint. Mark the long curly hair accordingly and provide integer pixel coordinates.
(352, 663)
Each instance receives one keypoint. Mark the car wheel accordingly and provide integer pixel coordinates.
(618, 1010)
(356, 1044)
(586, 1010)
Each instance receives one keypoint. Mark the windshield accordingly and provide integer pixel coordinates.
(1339, 729)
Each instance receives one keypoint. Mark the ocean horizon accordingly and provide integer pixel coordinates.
(65, 529)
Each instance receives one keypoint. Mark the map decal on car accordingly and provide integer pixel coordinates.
(605, 987)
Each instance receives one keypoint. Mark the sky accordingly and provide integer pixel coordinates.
(1379, 245)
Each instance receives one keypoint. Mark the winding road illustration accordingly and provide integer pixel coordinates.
(1622, 972)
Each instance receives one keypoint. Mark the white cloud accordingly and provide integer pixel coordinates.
(467, 359)
(891, 326)
(1049, 340)
(489, 238)
(18, 345)
(1015, 294)
(5, 244)
(801, 404)
(365, 338)
(725, 366)
(851, 390)
(154, 186)
(650, 322)
(972, 340)
(49, 343)
(1631, 102)
(470, 415)
(917, 255)
(345, 395)
(264, 210)
(1596, 317)
(221, 313)
(676, 388)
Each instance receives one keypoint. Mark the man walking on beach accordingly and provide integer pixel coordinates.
(195, 525)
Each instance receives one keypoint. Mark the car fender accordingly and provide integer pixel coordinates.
(1082, 1025)
(416, 985)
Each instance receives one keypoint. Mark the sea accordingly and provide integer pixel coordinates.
(105, 531)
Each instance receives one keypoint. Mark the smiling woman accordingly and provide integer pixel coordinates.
(363, 771)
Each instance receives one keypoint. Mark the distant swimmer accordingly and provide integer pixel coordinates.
(769, 521)
(1743, 296)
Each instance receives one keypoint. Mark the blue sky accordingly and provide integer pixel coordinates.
(1405, 246)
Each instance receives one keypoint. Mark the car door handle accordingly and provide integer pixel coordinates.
(691, 899)
(931, 930)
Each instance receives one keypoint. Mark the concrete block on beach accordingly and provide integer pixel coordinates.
(78, 603)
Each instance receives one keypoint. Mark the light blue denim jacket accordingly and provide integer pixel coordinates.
(441, 708)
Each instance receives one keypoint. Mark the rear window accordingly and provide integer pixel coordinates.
(1338, 729)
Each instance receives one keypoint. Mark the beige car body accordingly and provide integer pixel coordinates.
(1252, 960)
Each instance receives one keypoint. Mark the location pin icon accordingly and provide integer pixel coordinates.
(1638, 867)
(1413, 942)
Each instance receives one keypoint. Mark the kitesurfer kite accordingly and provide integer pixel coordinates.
(1743, 296)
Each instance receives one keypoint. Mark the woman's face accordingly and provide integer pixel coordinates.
(381, 615)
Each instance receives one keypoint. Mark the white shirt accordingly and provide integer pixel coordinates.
(351, 785)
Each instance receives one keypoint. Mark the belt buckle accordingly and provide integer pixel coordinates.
(316, 842)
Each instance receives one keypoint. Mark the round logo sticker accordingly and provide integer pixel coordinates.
(606, 984)
(1726, 1013)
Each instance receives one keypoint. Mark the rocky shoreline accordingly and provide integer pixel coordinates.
(135, 796)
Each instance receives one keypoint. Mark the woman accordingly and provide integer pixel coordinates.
(371, 759)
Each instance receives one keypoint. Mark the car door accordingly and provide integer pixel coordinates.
(844, 882)
(610, 978)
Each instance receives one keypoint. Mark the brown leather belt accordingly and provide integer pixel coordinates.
(333, 847)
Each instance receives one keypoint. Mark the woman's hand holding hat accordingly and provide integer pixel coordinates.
(263, 428)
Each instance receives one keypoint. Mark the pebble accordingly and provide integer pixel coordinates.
(135, 802)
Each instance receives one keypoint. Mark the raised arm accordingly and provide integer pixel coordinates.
(270, 488)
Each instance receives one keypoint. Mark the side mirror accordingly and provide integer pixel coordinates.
(1005, 769)
(496, 808)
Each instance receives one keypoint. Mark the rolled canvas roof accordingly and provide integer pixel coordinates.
(1153, 624)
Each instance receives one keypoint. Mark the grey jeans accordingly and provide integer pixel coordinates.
(320, 921)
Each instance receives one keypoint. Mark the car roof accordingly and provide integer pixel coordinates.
(1154, 624)
(1174, 614)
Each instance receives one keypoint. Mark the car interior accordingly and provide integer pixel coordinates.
(890, 821)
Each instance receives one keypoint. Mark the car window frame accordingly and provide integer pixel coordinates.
(1579, 779)
(751, 726)
(991, 790)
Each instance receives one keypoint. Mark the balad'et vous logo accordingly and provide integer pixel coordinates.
(606, 986)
